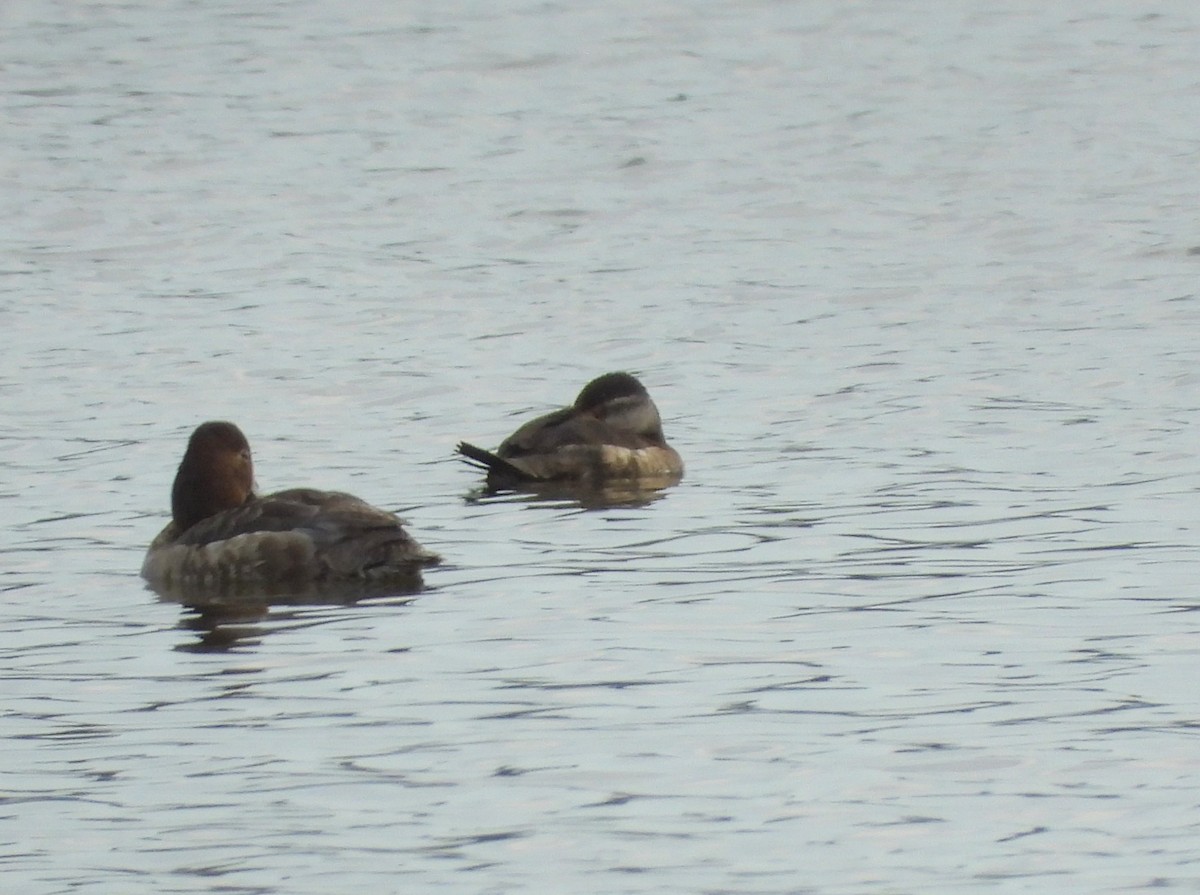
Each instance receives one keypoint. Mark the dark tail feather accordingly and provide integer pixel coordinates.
(496, 466)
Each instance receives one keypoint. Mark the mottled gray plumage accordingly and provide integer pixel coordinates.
(222, 533)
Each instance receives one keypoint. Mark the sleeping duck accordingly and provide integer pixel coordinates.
(611, 433)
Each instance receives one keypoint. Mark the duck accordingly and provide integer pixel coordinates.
(224, 535)
(611, 433)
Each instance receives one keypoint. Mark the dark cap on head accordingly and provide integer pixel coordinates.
(609, 387)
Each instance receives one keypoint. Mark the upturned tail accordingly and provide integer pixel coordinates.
(496, 466)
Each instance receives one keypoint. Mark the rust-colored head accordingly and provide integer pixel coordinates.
(216, 474)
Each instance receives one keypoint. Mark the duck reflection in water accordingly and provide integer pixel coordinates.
(222, 623)
(226, 545)
(607, 448)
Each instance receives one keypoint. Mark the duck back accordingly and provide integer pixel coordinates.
(299, 535)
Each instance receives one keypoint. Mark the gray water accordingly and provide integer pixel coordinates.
(915, 288)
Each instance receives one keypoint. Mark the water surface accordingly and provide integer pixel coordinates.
(915, 291)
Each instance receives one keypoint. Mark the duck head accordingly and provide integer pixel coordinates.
(622, 402)
(216, 474)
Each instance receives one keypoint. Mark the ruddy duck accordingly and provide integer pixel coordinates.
(222, 534)
(612, 432)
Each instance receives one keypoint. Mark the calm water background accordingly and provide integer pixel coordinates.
(915, 287)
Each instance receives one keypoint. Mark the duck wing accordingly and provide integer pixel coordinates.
(258, 514)
(566, 428)
(350, 535)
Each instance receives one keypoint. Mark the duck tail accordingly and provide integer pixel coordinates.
(495, 465)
